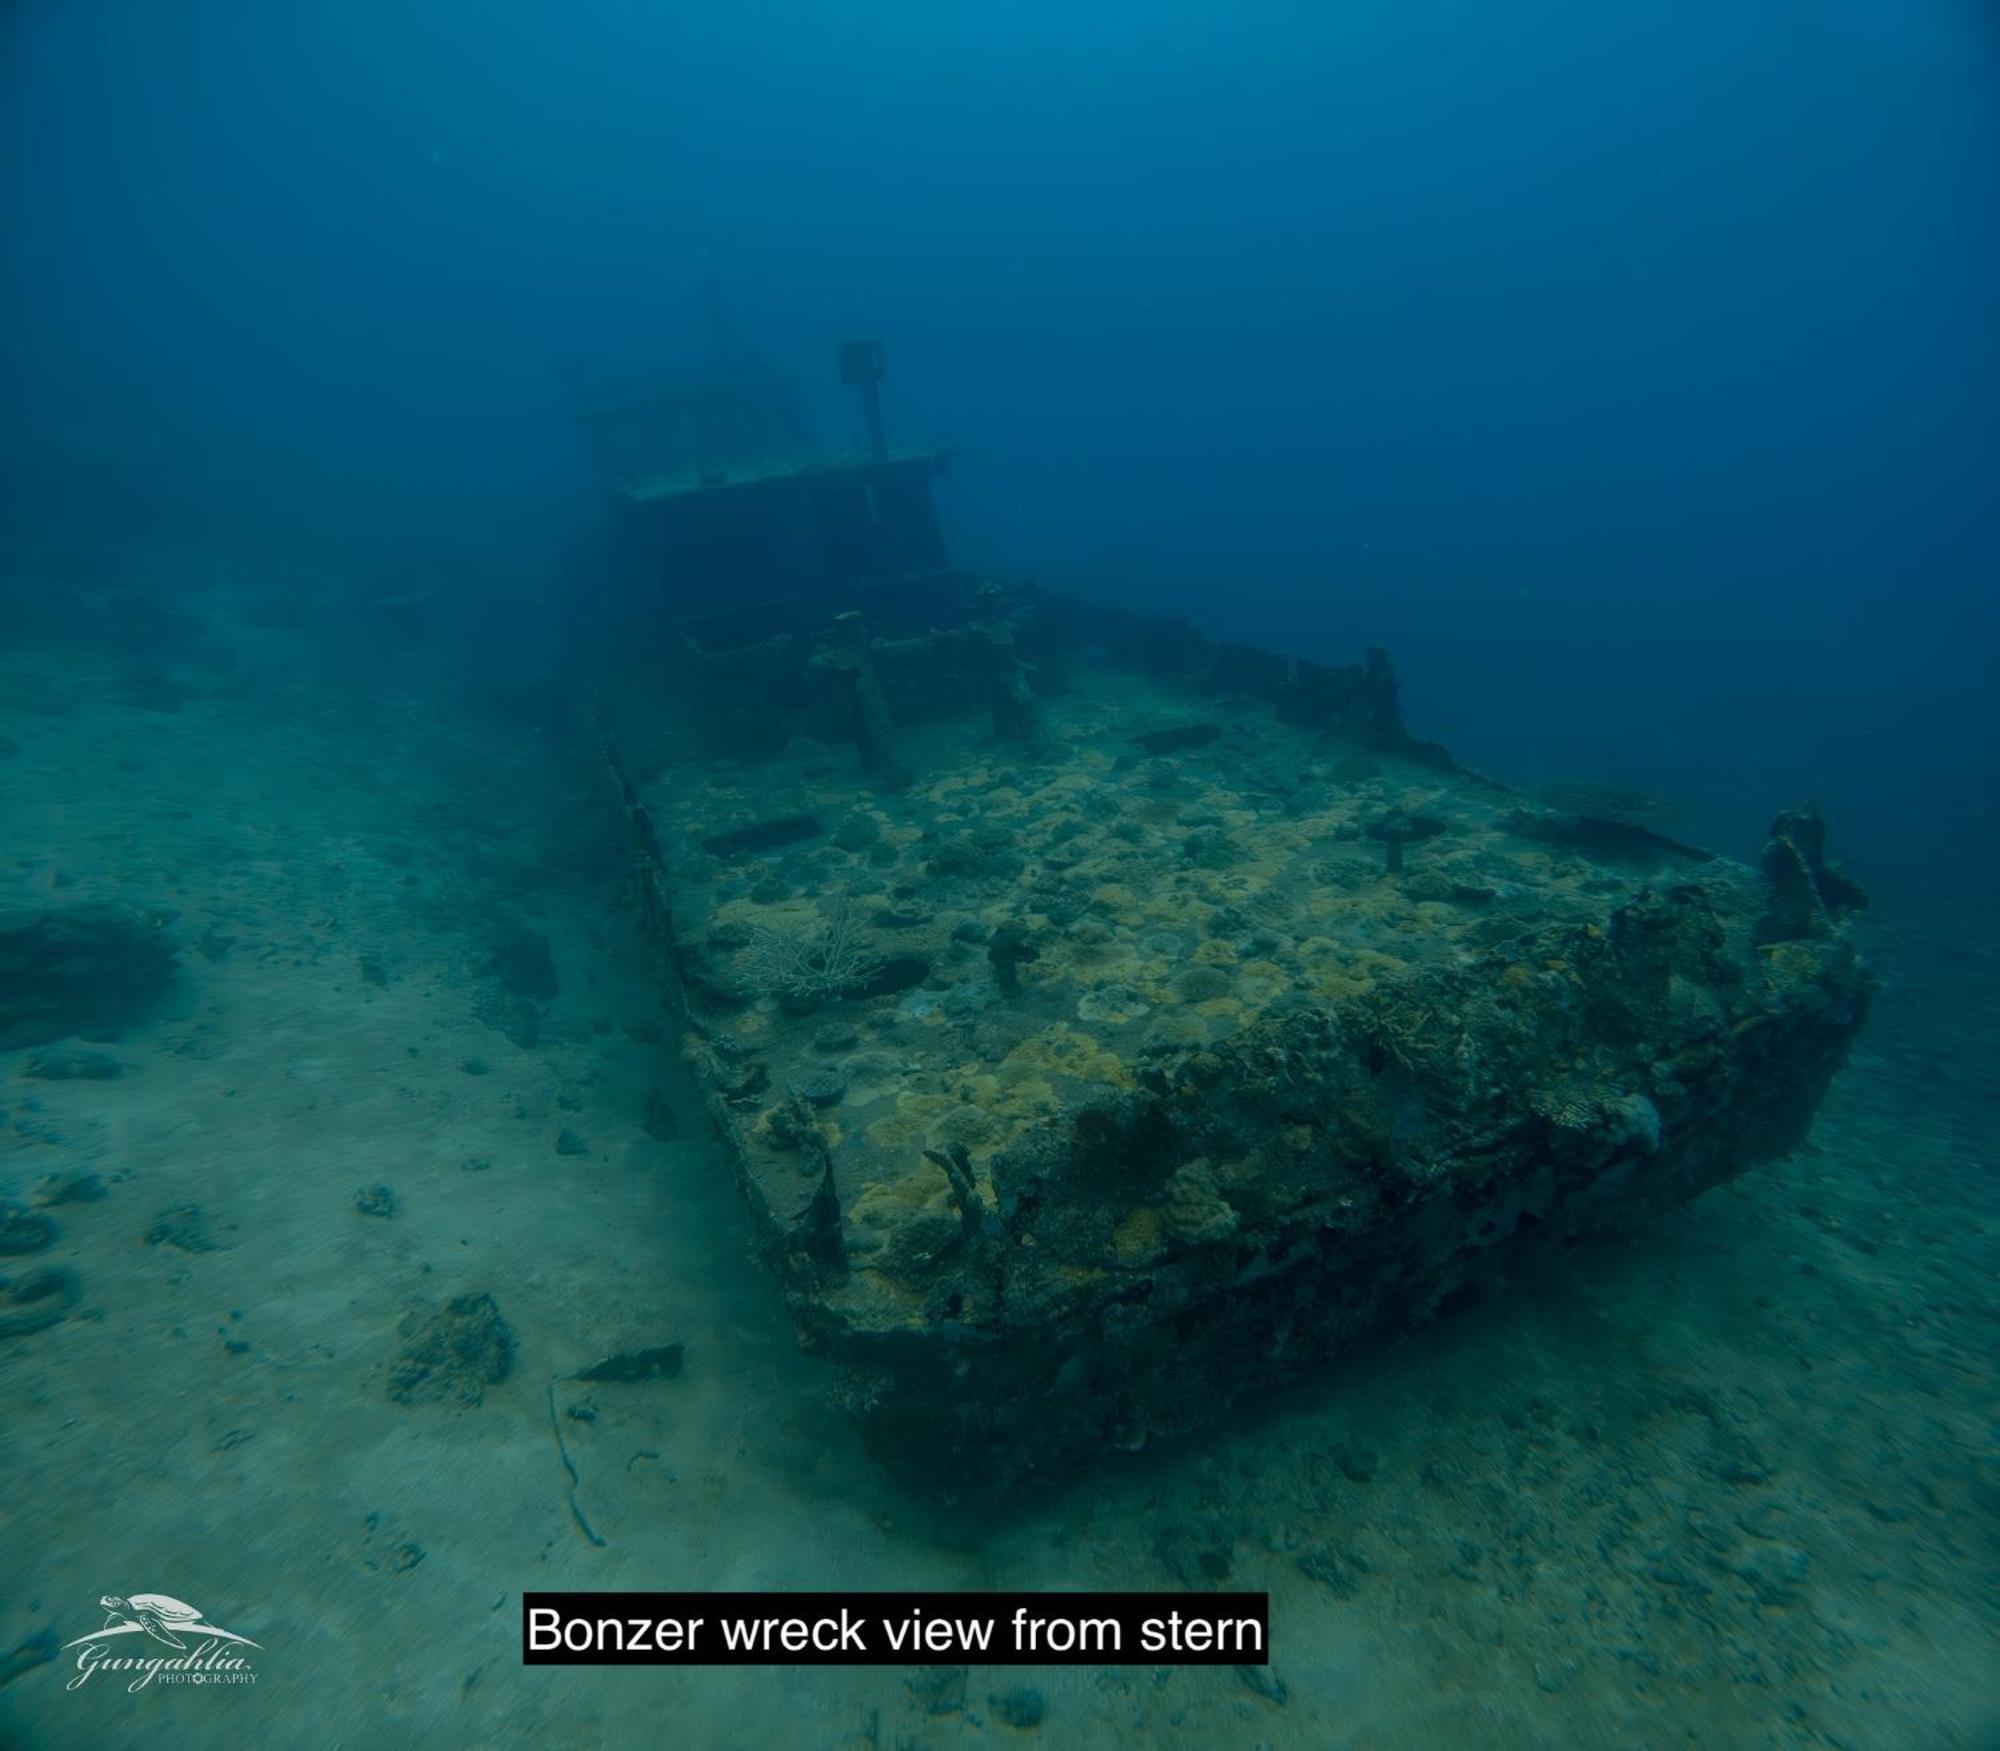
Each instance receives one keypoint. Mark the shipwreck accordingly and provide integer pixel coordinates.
(1105, 1021)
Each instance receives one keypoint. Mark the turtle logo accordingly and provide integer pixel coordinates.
(158, 1615)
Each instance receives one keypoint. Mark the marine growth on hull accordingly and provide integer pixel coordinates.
(1088, 1069)
(1105, 1021)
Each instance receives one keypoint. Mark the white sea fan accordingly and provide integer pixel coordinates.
(814, 962)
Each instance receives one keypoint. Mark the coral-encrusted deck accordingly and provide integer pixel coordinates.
(1085, 1078)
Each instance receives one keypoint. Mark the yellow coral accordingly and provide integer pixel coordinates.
(1137, 1238)
(913, 1116)
(973, 1126)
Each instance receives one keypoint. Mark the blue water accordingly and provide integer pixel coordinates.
(1631, 373)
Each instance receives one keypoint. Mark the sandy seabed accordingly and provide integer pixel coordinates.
(1732, 1484)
